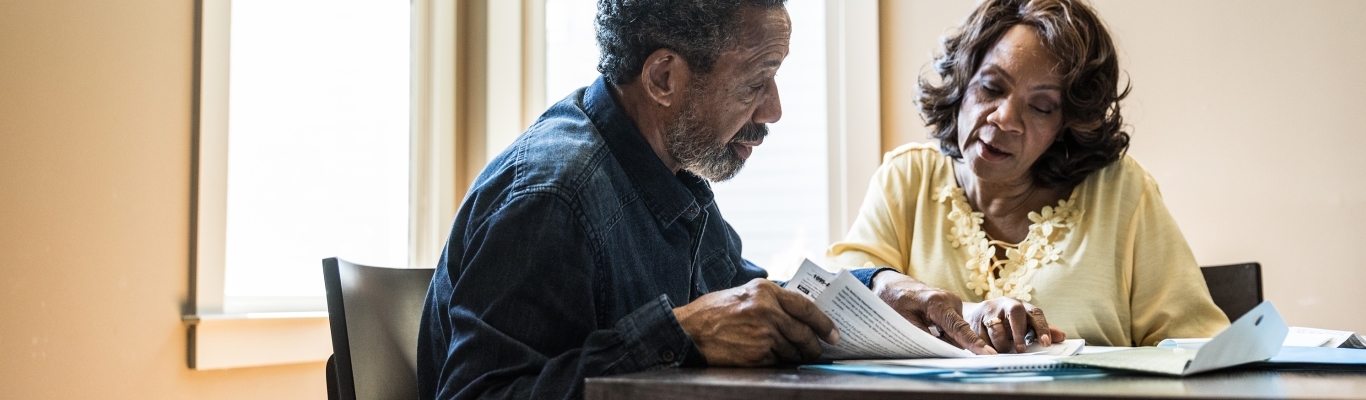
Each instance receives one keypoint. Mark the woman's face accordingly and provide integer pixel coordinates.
(1012, 109)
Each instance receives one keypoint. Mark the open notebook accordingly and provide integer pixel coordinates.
(1256, 336)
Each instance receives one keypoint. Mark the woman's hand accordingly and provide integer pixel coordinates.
(1005, 321)
(926, 306)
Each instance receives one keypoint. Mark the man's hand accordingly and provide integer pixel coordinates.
(1006, 321)
(926, 306)
(757, 324)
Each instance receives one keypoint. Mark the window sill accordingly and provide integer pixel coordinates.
(222, 341)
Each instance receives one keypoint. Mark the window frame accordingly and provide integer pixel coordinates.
(854, 91)
(219, 340)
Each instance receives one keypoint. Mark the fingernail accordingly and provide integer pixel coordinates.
(1047, 341)
(834, 336)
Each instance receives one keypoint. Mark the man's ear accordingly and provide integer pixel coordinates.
(665, 77)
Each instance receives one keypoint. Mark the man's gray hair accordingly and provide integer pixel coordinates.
(630, 30)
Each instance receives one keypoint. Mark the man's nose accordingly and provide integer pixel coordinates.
(771, 108)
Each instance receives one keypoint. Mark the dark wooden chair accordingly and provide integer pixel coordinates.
(374, 315)
(1236, 288)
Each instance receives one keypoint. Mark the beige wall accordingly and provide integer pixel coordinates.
(94, 215)
(1250, 114)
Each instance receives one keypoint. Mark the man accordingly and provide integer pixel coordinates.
(592, 246)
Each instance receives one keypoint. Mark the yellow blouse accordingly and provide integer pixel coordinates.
(1108, 264)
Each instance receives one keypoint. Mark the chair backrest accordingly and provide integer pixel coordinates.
(1236, 288)
(374, 315)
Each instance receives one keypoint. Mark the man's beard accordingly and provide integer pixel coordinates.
(694, 145)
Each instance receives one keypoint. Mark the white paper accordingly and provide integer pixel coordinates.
(1069, 347)
(1308, 340)
(1101, 349)
(996, 362)
(1314, 337)
(1039, 358)
(869, 328)
(1189, 344)
(810, 280)
(1298, 336)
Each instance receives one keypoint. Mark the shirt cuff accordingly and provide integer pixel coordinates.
(866, 275)
(654, 339)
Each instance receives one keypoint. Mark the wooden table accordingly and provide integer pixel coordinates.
(791, 383)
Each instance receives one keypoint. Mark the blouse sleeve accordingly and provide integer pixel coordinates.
(1169, 298)
(878, 233)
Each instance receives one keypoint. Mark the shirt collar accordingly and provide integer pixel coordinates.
(668, 196)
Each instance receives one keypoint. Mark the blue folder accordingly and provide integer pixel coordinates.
(967, 376)
(1315, 358)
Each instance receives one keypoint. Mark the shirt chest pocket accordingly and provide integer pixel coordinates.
(716, 271)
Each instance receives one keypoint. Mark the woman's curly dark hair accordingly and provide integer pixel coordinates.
(1092, 135)
(630, 30)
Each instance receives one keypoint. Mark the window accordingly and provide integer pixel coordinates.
(318, 146)
(325, 128)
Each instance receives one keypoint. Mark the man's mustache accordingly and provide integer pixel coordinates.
(750, 132)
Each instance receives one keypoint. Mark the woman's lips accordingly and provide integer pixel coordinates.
(993, 154)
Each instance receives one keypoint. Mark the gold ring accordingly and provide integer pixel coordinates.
(993, 322)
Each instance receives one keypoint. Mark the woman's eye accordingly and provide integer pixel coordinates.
(1044, 110)
(989, 89)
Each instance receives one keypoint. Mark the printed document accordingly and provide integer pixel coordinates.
(869, 328)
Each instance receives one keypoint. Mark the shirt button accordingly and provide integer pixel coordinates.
(667, 355)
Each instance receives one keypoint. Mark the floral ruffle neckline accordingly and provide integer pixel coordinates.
(1016, 271)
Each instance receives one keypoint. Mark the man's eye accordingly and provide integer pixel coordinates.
(986, 87)
(756, 87)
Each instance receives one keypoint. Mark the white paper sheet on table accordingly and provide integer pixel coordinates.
(1101, 349)
(1324, 338)
(1298, 336)
(1036, 357)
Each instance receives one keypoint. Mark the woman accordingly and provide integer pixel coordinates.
(1029, 199)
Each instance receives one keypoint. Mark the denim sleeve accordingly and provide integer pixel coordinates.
(749, 271)
(866, 275)
(520, 320)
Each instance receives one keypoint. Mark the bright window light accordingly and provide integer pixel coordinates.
(571, 47)
(318, 142)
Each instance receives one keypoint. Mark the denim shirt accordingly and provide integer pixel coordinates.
(567, 258)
